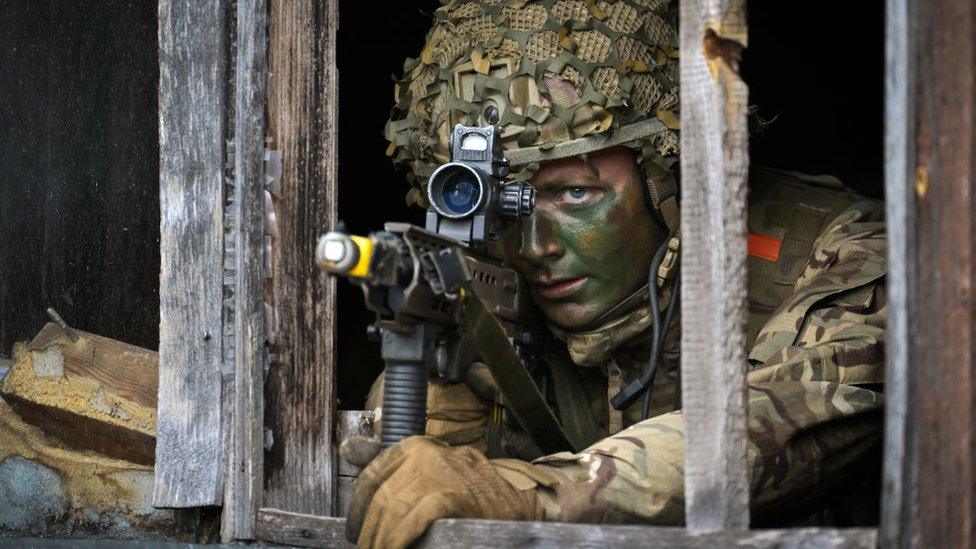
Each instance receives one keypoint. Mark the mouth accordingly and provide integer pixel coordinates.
(557, 289)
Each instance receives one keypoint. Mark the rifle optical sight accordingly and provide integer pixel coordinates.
(457, 190)
(469, 198)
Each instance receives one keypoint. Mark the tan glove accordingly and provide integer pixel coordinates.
(413, 483)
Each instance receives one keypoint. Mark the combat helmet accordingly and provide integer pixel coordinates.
(568, 77)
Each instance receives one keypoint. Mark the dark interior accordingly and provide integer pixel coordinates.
(371, 47)
(815, 72)
(79, 163)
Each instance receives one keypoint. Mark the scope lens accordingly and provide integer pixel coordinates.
(460, 193)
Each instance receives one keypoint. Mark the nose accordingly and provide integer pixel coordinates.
(538, 244)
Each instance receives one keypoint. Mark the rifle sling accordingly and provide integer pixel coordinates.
(521, 395)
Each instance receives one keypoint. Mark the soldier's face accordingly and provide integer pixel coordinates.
(589, 242)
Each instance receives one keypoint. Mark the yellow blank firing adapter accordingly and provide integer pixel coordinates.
(344, 254)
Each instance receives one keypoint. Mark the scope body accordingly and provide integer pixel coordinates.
(470, 201)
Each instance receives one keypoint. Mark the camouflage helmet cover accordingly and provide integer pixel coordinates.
(568, 77)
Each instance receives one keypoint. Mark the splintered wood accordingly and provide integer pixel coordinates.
(61, 491)
(714, 166)
(94, 393)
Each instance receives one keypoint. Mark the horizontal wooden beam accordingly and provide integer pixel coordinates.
(300, 530)
(314, 531)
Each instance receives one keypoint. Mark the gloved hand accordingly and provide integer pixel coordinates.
(456, 413)
(413, 483)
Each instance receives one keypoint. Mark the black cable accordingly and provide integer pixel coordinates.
(652, 297)
(633, 390)
(657, 347)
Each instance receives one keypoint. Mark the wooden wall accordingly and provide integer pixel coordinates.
(79, 203)
(299, 469)
(929, 497)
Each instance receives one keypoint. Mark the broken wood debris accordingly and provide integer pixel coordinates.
(94, 393)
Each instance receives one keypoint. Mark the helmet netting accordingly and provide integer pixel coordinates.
(557, 71)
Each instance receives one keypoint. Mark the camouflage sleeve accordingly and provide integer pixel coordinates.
(814, 417)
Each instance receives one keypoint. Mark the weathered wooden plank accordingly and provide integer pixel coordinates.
(897, 507)
(192, 71)
(714, 167)
(126, 370)
(345, 490)
(245, 473)
(301, 530)
(930, 460)
(302, 104)
(489, 534)
(314, 531)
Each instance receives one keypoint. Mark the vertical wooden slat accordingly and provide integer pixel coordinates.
(714, 167)
(302, 105)
(189, 450)
(930, 462)
(899, 455)
(245, 455)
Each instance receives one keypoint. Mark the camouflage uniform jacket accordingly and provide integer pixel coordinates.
(816, 327)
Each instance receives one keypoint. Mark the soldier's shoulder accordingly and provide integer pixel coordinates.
(765, 181)
(790, 215)
(781, 200)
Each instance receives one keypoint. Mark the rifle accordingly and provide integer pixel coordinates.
(442, 296)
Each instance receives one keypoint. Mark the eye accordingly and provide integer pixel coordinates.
(574, 196)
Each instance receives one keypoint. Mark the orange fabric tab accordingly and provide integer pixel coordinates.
(764, 247)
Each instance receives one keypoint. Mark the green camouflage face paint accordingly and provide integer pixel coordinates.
(589, 242)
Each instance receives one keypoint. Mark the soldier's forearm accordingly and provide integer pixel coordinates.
(636, 475)
(804, 439)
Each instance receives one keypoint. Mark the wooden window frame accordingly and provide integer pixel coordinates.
(247, 325)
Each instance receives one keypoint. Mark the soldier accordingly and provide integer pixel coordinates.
(588, 101)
